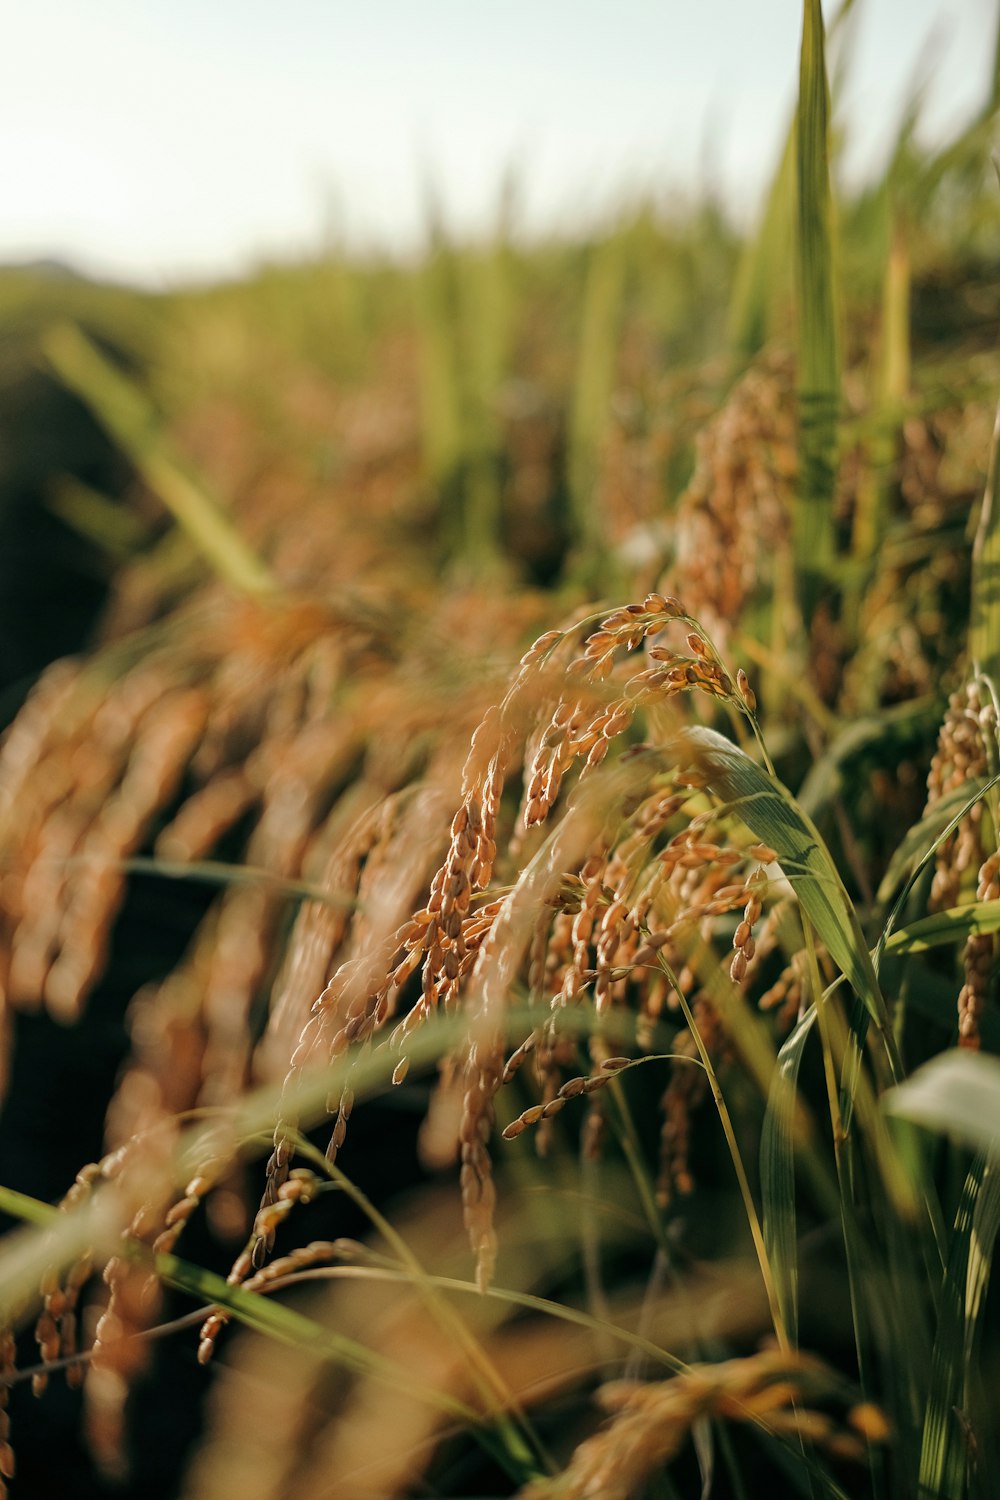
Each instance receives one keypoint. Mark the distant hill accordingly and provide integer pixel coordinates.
(46, 266)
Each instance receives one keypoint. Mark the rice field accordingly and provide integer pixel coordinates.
(499, 812)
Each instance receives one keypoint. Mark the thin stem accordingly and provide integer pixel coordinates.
(590, 1238)
(632, 1150)
(663, 1265)
(847, 1221)
(500, 1400)
(750, 1208)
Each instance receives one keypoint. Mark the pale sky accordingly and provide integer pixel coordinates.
(160, 140)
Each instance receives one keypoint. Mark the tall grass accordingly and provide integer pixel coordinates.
(819, 373)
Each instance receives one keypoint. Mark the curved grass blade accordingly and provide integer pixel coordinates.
(30, 1210)
(923, 847)
(99, 1221)
(923, 840)
(925, 859)
(127, 414)
(824, 781)
(563, 1312)
(54, 1238)
(218, 872)
(105, 523)
(784, 1448)
(773, 814)
(499, 1401)
(69, 1234)
(943, 927)
(289, 1326)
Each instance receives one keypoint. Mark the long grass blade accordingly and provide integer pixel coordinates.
(773, 814)
(978, 1402)
(819, 359)
(103, 521)
(289, 1326)
(777, 1172)
(944, 1453)
(763, 288)
(129, 417)
(922, 841)
(892, 384)
(596, 364)
(984, 625)
(943, 927)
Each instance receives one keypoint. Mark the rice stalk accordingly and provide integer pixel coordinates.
(601, 315)
(129, 417)
(818, 342)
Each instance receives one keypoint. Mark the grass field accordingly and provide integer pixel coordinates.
(500, 877)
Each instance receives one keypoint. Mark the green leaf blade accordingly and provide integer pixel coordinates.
(777, 1171)
(773, 814)
(819, 359)
(943, 927)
